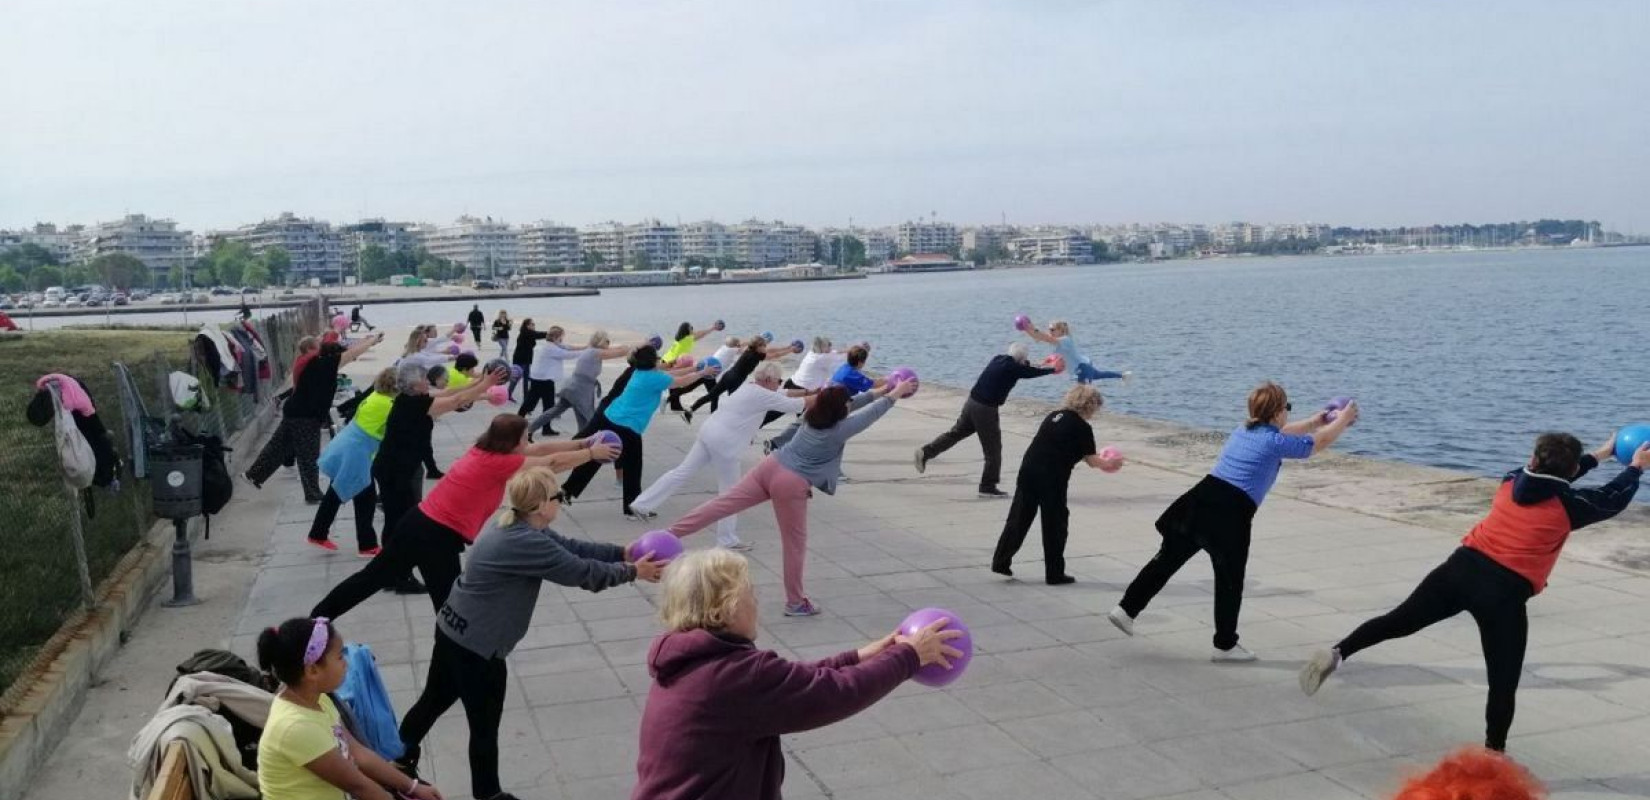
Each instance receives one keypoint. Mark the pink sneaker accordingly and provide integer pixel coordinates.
(324, 544)
(806, 608)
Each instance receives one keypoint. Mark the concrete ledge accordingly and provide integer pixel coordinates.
(50, 693)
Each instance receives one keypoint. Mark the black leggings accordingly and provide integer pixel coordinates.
(676, 395)
(1213, 517)
(537, 391)
(401, 492)
(630, 460)
(726, 385)
(773, 415)
(1036, 494)
(419, 542)
(1495, 596)
(366, 504)
(459, 675)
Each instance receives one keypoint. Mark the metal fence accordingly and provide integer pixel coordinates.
(40, 574)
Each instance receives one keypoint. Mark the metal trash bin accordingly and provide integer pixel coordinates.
(175, 480)
(175, 483)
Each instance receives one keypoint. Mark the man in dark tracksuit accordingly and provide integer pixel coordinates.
(1503, 562)
(979, 416)
(476, 320)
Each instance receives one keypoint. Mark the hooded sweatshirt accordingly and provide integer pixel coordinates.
(1533, 514)
(718, 706)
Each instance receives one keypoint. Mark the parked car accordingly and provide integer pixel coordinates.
(251, 290)
(140, 294)
(222, 290)
(483, 284)
(74, 302)
(93, 302)
(167, 299)
(6, 304)
(121, 299)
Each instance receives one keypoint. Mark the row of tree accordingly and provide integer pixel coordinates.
(1542, 231)
(378, 264)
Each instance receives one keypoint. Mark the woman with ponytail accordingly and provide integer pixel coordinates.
(305, 753)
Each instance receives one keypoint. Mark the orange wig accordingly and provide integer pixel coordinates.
(1474, 774)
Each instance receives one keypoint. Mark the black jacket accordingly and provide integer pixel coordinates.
(1584, 506)
(998, 379)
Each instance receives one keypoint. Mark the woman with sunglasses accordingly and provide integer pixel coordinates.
(490, 609)
(432, 535)
(1215, 516)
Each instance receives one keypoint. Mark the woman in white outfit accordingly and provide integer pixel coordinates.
(721, 440)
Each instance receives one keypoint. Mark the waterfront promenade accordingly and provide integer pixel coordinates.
(1057, 703)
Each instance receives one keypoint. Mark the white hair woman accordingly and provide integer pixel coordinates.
(1064, 439)
(720, 442)
(580, 392)
(718, 705)
(979, 415)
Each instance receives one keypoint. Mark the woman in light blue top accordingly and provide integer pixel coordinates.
(1082, 369)
(628, 416)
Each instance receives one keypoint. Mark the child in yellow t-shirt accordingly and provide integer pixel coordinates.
(305, 753)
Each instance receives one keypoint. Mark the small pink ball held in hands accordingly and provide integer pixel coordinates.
(1022, 322)
(934, 674)
(662, 544)
(1057, 361)
(606, 437)
(1112, 454)
(458, 337)
(684, 361)
(1333, 408)
(497, 395)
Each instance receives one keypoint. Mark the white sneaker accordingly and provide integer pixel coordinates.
(1128, 375)
(1237, 655)
(919, 461)
(1323, 664)
(1122, 620)
(739, 547)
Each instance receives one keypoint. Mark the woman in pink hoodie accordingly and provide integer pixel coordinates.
(718, 705)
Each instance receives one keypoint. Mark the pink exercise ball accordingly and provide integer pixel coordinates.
(1109, 452)
(497, 395)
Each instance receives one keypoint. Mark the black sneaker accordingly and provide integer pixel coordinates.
(687, 416)
(1059, 580)
(247, 476)
(992, 493)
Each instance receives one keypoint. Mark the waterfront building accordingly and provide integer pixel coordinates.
(156, 242)
(485, 248)
(45, 235)
(706, 240)
(652, 245)
(392, 237)
(550, 247)
(927, 237)
(987, 238)
(313, 246)
(1052, 247)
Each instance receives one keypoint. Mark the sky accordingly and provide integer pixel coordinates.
(220, 113)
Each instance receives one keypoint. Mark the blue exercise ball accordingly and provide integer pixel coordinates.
(1630, 439)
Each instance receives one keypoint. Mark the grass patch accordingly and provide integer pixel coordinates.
(39, 579)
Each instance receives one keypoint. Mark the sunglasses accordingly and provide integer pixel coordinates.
(559, 497)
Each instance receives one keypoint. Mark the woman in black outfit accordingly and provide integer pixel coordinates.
(734, 375)
(523, 355)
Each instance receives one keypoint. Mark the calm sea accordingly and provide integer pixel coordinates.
(1457, 359)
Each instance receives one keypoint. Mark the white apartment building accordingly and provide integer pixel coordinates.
(156, 242)
(987, 237)
(485, 248)
(879, 245)
(605, 240)
(653, 242)
(707, 239)
(550, 247)
(771, 244)
(1052, 247)
(927, 237)
(61, 244)
(312, 245)
(390, 236)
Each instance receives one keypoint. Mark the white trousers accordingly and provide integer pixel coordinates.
(727, 475)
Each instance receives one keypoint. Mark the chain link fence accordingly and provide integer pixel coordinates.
(127, 373)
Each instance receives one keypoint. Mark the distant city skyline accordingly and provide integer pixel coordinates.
(1398, 114)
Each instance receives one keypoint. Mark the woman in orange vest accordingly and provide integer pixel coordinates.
(1500, 565)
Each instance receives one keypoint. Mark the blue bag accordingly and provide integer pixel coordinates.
(363, 691)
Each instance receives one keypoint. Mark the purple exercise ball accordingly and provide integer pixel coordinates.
(655, 342)
(1022, 322)
(662, 544)
(1334, 407)
(606, 437)
(515, 372)
(934, 674)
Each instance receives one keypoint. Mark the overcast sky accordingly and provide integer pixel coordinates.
(222, 112)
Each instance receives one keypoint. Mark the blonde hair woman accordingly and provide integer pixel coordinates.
(1082, 370)
(490, 609)
(1064, 439)
(718, 705)
(1215, 515)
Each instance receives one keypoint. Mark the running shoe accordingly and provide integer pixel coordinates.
(1128, 375)
(1236, 654)
(1122, 620)
(687, 416)
(992, 493)
(740, 547)
(1323, 664)
(369, 552)
(919, 461)
(324, 544)
(247, 476)
(639, 516)
(1059, 580)
(806, 608)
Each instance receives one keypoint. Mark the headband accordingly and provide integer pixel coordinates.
(318, 638)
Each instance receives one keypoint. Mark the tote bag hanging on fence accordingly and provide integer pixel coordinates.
(363, 691)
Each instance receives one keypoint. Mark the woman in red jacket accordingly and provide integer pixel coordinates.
(718, 705)
(1502, 563)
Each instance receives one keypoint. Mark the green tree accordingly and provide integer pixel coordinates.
(11, 280)
(45, 276)
(256, 274)
(202, 272)
(640, 261)
(593, 261)
(120, 270)
(79, 275)
(229, 260)
(25, 258)
(276, 263)
(376, 264)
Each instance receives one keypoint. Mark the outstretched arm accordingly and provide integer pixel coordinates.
(360, 348)
(1045, 338)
